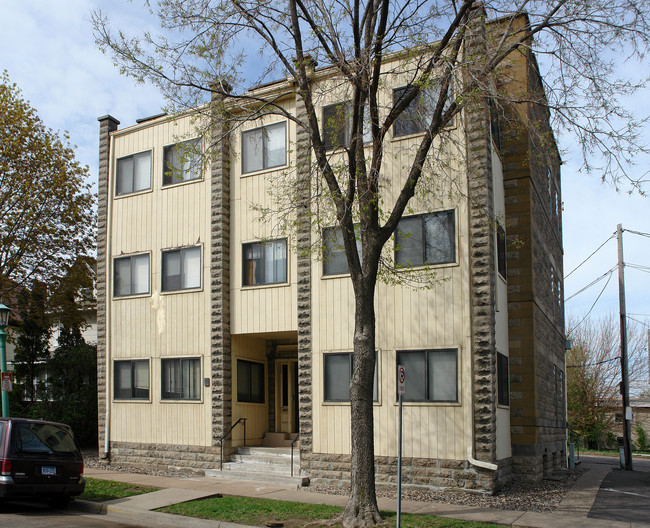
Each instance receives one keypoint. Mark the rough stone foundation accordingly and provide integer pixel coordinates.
(327, 469)
(165, 456)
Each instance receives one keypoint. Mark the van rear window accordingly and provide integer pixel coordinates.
(41, 438)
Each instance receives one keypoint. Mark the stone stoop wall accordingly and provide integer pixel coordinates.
(329, 469)
(165, 456)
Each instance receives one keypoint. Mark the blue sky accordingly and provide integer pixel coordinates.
(48, 48)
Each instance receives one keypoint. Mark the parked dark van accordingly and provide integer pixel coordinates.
(39, 459)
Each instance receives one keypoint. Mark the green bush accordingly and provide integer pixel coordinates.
(641, 438)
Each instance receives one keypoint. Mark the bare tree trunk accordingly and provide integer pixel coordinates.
(361, 509)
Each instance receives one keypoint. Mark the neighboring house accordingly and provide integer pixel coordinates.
(207, 315)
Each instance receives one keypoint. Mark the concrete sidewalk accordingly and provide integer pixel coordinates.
(571, 513)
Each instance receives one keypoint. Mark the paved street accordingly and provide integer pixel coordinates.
(624, 495)
(35, 515)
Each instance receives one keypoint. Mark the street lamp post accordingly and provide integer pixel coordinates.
(4, 319)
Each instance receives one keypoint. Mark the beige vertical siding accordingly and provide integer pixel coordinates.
(407, 318)
(264, 308)
(159, 324)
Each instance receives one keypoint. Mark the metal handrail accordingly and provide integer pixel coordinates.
(293, 443)
(241, 420)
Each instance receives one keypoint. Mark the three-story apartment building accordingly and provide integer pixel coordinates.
(209, 314)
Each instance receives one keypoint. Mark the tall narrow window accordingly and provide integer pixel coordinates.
(131, 275)
(131, 380)
(250, 381)
(181, 269)
(338, 372)
(181, 379)
(426, 239)
(431, 375)
(264, 147)
(501, 251)
(133, 173)
(503, 380)
(264, 262)
(183, 162)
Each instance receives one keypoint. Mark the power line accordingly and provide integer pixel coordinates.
(643, 323)
(594, 304)
(609, 272)
(638, 233)
(639, 267)
(585, 260)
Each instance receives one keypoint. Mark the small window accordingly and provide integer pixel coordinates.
(250, 381)
(264, 147)
(418, 115)
(501, 251)
(338, 372)
(181, 379)
(337, 125)
(133, 174)
(431, 375)
(131, 275)
(264, 262)
(181, 269)
(335, 261)
(426, 239)
(503, 380)
(131, 380)
(183, 162)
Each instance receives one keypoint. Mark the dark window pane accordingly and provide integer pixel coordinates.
(440, 237)
(443, 376)
(336, 125)
(181, 269)
(335, 261)
(250, 381)
(414, 363)
(264, 147)
(183, 162)
(503, 387)
(337, 377)
(409, 241)
(264, 263)
(131, 379)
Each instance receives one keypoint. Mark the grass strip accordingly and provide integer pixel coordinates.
(99, 490)
(257, 512)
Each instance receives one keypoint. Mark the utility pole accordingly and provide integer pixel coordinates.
(625, 387)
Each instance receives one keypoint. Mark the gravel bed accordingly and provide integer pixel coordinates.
(541, 496)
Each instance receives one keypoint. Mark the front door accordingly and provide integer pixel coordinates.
(287, 395)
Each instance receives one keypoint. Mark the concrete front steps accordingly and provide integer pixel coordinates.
(264, 464)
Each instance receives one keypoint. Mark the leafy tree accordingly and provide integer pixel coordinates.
(593, 374)
(204, 55)
(46, 203)
(32, 344)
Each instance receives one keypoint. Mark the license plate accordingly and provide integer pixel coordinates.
(48, 470)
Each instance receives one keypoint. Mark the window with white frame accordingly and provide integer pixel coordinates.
(503, 379)
(131, 275)
(337, 125)
(431, 375)
(264, 147)
(133, 173)
(335, 261)
(426, 239)
(131, 379)
(181, 269)
(250, 381)
(183, 162)
(337, 369)
(181, 379)
(264, 262)
(417, 116)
